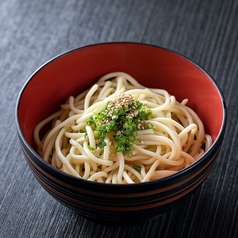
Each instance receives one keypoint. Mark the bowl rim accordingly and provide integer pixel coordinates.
(152, 182)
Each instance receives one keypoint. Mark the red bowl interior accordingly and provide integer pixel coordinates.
(73, 72)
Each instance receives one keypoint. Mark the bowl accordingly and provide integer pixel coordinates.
(74, 71)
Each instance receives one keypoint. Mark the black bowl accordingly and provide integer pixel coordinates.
(76, 70)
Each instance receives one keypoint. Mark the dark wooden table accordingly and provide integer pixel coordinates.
(33, 31)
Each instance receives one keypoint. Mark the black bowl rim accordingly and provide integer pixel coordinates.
(164, 180)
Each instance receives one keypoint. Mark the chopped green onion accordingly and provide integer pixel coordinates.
(122, 118)
(149, 125)
(91, 148)
(81, 131)
(137, 168)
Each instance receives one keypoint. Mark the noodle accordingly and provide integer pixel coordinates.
(167, 137)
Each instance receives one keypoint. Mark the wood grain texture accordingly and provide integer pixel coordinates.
(32, 31)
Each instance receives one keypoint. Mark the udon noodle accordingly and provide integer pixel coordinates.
(173, 139)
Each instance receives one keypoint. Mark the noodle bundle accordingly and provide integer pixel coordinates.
(120, 132)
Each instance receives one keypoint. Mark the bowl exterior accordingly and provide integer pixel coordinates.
(118, 204)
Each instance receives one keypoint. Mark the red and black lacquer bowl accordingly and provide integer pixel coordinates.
(74, 71)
